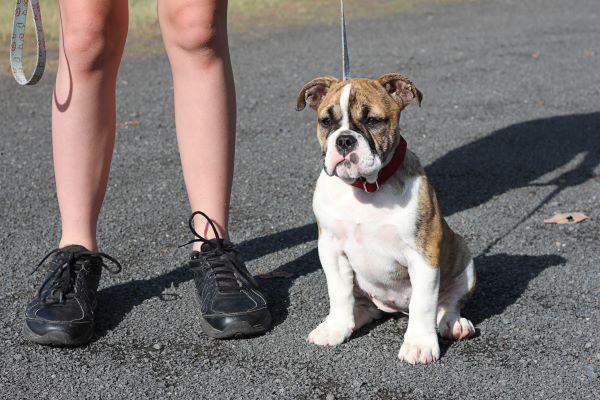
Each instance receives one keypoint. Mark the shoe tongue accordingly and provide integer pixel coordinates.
(72, 250)
(67, 252)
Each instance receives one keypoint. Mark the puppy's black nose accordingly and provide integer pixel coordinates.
(345, 144)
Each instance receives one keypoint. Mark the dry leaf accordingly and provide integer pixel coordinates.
(588, 53)
(276, 274)
(566, 218)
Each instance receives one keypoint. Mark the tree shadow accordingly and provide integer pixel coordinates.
(514, 157)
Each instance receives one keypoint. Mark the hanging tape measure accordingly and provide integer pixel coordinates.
(18, 40)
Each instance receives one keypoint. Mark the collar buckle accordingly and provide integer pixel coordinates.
(365, 187)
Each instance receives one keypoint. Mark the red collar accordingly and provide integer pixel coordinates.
(386, 172)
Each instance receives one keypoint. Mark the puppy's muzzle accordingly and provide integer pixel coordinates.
(345, 144)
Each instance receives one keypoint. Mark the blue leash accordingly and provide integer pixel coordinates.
(345, 59)
(18, 40)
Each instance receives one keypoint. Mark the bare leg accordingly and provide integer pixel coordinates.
(83, 111)
(195, 37)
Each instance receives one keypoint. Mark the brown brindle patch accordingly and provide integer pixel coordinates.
(329, 107)
(368, 98)
(440, 246)
(382, 98)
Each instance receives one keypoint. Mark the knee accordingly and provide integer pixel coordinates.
(94, 44)
(192, 28)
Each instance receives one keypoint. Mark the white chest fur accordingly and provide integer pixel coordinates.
(374, 232)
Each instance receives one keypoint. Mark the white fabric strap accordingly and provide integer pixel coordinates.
(18, 40)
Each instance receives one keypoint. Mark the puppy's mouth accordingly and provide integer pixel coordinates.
(338, 161)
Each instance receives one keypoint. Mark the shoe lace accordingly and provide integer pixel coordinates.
(65, 275)
(219, 258)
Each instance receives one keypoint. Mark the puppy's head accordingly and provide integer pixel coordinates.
(357, 121)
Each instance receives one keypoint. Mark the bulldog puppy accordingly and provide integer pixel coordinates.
(383, 243)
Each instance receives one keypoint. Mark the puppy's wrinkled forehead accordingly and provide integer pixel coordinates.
(360, 98)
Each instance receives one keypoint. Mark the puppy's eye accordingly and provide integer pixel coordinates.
(325, 122)
(373, 122)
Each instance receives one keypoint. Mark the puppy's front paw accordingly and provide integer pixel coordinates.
(330, 333)
(424, 349)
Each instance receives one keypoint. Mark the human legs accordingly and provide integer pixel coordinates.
(83, 111)
(195, 37)
(83, 132)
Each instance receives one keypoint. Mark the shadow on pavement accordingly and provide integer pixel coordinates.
(278, 290)
(501, 280)
(512, 157)
(117, 301)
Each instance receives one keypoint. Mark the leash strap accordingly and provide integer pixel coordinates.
(345, 60)
(18, 40)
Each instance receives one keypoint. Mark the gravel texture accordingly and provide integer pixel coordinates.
(509, 132)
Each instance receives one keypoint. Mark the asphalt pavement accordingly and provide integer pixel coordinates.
(509, 132)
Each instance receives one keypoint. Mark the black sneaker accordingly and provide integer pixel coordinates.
(231, 304)
(62, 312)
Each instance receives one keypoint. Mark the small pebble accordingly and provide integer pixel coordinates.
(590, 373)
(357, 384)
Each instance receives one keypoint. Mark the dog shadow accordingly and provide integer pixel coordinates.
(502, 279)
(517, 156)
(512, 157)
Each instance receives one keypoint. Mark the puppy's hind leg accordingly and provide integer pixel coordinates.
(365, 311)
(450, 324)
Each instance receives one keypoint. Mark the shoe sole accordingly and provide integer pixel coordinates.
(236, 330)
(56, 338)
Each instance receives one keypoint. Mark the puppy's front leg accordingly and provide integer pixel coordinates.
(339, 324)
(420, 340)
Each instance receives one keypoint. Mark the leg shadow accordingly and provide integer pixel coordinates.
(277, 291)
(117, 301)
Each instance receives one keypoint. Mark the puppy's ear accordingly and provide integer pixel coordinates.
(400, 88)
(313, 92)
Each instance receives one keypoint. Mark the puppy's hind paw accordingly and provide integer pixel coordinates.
(329, 334)
(423, 350)
(456, 328)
